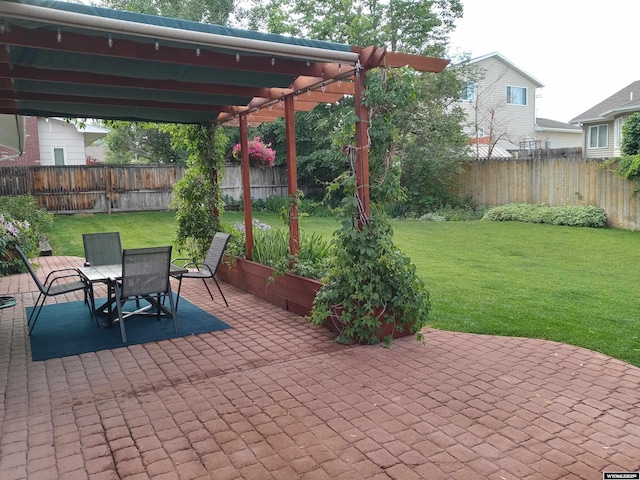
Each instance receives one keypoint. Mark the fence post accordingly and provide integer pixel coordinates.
(108, 187)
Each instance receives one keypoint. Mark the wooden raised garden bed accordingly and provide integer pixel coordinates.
(289, 291)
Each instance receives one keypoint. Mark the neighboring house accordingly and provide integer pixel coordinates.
(602, 124)
(55, 141)
(554, 134)
(499, 100)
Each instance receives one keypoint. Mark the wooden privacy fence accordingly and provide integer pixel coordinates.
(122, 188)
(555, 182)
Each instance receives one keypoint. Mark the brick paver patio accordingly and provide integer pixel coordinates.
(274, 398)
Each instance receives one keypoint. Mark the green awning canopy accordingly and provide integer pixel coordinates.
(72, 60)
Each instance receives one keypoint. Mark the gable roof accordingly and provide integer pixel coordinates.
(625, 100)
(70, 60)
(509, 63)
(546, 124)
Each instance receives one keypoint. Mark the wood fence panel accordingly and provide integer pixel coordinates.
(567, 180)
(123, 188)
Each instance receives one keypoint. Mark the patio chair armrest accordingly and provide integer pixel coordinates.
(51, 280)
(199, 266)
(188, 260)
(56, 272)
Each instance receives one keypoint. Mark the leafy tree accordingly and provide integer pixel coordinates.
(206, 11)
(434, 153)
(413, 26)
(413, 124)
(631, 135)
(140, 142)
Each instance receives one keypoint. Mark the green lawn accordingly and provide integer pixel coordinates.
(568, 284)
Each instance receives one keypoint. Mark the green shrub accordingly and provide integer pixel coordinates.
(24, 208)
(22, 223)
(313, 208)
(631, 135)
(627, 166)
(275, 204)
(231, 204)
(579, 216)
(12, 233)
(572, 215)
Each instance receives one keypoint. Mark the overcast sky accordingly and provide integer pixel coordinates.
(583, 52)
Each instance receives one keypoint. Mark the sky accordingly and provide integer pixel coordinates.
(583, 52)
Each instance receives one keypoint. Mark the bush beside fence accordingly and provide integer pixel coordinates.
(554, 182)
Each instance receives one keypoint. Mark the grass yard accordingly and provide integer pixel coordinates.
(568, 284)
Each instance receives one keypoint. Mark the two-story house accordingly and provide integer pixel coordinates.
(499, 99)
(602, 124)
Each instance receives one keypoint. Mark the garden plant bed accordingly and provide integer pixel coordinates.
(289, 291)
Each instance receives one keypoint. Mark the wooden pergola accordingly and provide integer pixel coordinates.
(77, 61)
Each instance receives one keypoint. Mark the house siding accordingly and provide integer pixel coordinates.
(55, 133)
(560, 139)
(515, 123)
(606, 152)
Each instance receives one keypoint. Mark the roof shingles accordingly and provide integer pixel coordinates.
(627, 99)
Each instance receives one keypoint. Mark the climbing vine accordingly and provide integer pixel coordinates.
(196, 197)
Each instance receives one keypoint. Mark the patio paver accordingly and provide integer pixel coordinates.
(274, 398)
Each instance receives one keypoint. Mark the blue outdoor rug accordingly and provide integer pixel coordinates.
(65, 329)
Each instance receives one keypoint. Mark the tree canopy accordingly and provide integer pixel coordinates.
(411, 26)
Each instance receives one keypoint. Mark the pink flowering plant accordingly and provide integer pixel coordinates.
(260, 154)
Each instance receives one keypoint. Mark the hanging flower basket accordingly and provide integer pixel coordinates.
(261, 155)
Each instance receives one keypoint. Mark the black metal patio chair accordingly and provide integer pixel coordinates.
(208, 268)
(145, 274)
(57, 282)
(102, 248)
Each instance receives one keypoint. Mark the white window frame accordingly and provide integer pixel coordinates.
(468, 92)
(598, 136)
(617, 132)
(64, 155)
(511, 95)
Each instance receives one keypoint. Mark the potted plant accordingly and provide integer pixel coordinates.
(372, 293)
(261, 155)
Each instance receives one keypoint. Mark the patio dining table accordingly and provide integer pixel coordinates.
(109, 274)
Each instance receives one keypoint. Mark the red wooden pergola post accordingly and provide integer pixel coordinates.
(246, 184)
(292, 174)
(362, 143)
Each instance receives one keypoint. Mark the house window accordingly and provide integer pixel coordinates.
(617, 132)
(516, 95)
(468, 92)
(598, 136)
(59, 156)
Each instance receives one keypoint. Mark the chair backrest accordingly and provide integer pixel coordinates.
(145, 271)
(30, 269)
(216, 250)
(102, 248)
